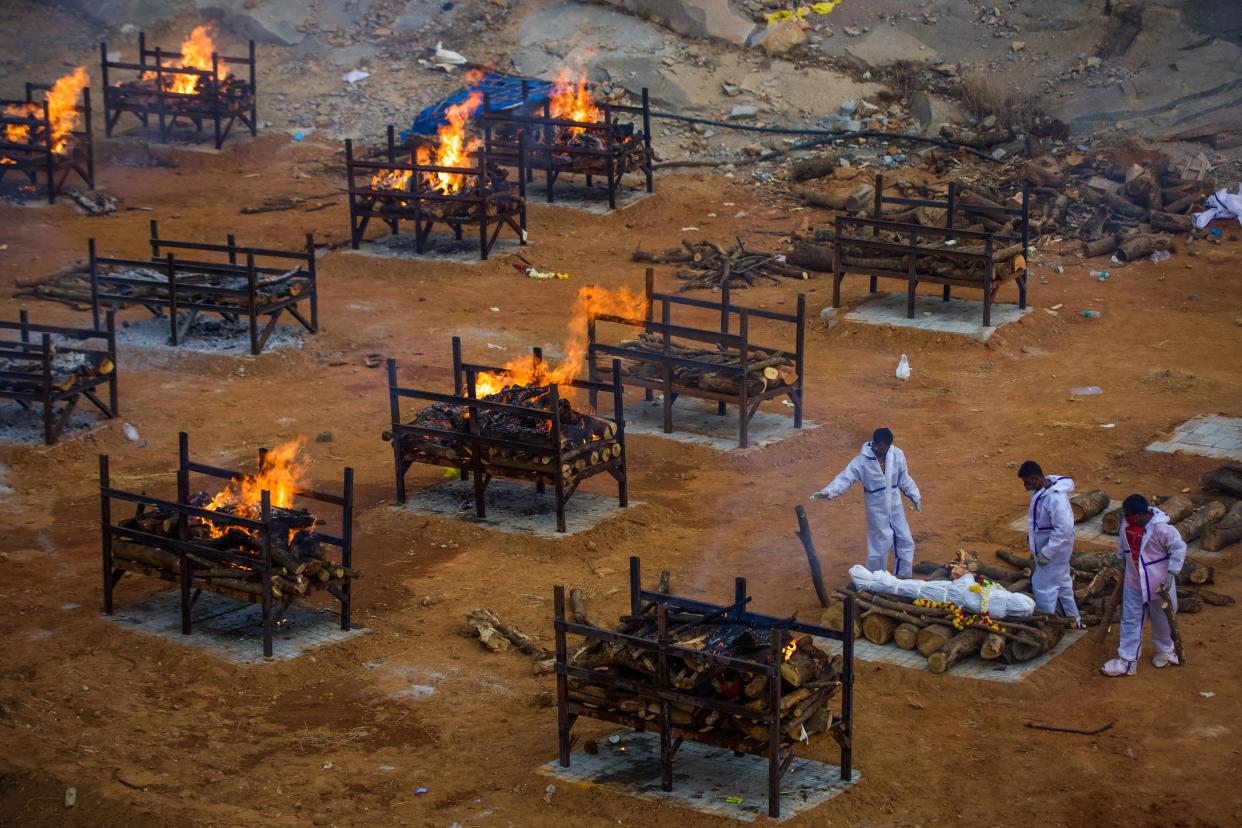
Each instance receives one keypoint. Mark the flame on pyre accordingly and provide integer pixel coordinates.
(571, 101)
(788, 650)
(62, 100)
(196, 53)
(591, 300)
(451, 151)
(282, 474)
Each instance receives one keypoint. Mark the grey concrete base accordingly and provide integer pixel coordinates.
(208, 336)
(515, 506)
(183, 139)
(704, 778)
(576, 195)
(1208, 434)
(440, 247)
(959, 317)
(696, 422)
(22, 427)
(1092, 531)
(972, 668)
(232, 630)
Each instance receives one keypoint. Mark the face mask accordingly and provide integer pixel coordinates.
(1133, 520)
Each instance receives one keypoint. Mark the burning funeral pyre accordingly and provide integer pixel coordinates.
(232, 558)
(51, 135)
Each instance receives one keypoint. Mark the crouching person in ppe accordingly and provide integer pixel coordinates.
(1152, 552)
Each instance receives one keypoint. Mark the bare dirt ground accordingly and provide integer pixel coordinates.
(151, 732)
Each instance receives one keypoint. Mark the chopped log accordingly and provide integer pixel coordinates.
(993, 647)
(1177, 507)
(1189, 600)
(1142, 245)
(878, 628)
(802, 667)
(1170, 223)
(1046, 636)
(1216, 599)
(1227, 478)
(996, 573)
(1201, 519)
(1196, 572)
(834, 618)
(1226, 531)
(491, 631)
(1015, 560)
(1109, 612)
(906, 635)
(1099, 247)
(1111, 522)
(965, 643)
(1124, 206)
(828, 201)
(812, 256)
(1087, 505)
(809, 168)
(932, 638)
(579, 611)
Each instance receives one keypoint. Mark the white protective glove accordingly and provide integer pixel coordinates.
(1170, 583)
(1041, 560)
(821, 496)
(918, 506)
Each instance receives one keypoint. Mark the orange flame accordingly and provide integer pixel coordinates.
(571, 101)
(789, 649)
(283, 472)
(196, 53)
(452, 150)
(591, 300)
(62, 101)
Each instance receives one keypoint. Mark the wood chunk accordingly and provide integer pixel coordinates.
(1087, 505)
(1203, 517)
(932, 638)
(1227, 531)
(960, 646)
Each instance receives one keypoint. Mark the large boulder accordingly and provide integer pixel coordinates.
(779, 38)
(269, 21)
(704, 19)
(933, 112)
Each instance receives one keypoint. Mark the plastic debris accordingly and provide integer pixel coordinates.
(1109, 425)
(131, 433)
(734, 800)
(1102, 275)
(1207, 694)
(446, 59)
(299, 135)
(1160, 256)
(1086, 391)
(1215, 231)
(71, 797)
(903, 369)
(547, 793)
(1091, 314)
(421, 791)
(355, 75)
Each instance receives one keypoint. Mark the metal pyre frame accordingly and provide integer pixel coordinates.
(42, 344)
(621, 150)
(257, 291)
(672, 612)
(222, 102)
(476, 204)
(737, 344)
(486, 457)
(858, 247)
(35, 155)
(197, 563)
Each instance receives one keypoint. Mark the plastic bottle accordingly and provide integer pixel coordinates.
(1092, 314)
(1102, 275)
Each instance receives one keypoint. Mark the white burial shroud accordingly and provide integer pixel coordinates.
(1001, 602)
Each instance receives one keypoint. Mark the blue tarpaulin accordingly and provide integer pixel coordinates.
(503, 92)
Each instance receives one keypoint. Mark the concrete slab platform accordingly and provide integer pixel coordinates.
(440, 247)
(1092, 531)
(207, 336)
(514, 506)
(22, 427)
(1209, 435)
(696, 422)
(958, 317)
(704, 778)
(578, 196)
(971, 668)
(232, 630)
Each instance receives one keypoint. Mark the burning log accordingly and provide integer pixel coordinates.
(1088, 504)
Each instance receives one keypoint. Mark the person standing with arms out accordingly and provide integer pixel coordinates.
(1152, 552)
(881, 469)
(1050, 534)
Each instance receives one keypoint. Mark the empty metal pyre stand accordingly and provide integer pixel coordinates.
(35, 153)
(683, 613)
(198, 565)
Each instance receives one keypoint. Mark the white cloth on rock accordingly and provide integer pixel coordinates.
(1221, 204)
(1001, 602)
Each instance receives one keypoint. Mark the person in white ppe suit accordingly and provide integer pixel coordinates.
(1152, 552)
(1050, 533)
(881, 469)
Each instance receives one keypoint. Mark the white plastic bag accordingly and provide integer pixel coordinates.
(903, 369)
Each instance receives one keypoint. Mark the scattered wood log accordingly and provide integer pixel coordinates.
(706, 264)
(1226, 478)
(1142, 245)
(496, 635)
(1203, 517)
(812, 256)
(1226, 531)
(1087, 505)
(811, 168)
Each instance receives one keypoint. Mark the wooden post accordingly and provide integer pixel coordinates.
(817, 575)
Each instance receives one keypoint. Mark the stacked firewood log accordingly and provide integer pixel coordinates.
(72, 286)
(764, 370)
(809, 678)
(494, 196)
(586, 440)
(69, 368)
(231, 562)
(706, 264)
(232, 93)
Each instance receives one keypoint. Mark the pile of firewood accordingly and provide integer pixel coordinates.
(72, 286)
(68, 369)
(706, 264)
(809, 677)
(492, 195)
(1208, 520)
(935, 634)
(232, 92)
(232, 562)
(586, 440)
(763, 370)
